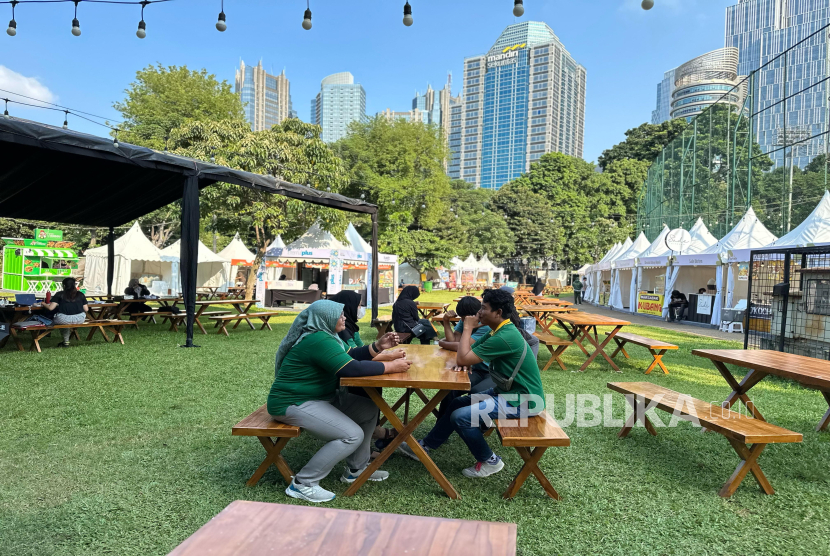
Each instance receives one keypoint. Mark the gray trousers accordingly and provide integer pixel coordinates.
(60, 318)
(346, 424)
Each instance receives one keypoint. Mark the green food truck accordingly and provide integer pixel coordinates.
(37, 265)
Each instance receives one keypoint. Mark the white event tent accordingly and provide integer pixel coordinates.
(135, 257)
(653, 262)
(238, 255)
(606, 273)
(212, 270)
(596, 275)
(815, 230)
(624, 283)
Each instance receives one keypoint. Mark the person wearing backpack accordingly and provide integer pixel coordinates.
(518, 384)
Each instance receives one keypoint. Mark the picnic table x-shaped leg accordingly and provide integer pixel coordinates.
(404, 435)
(583, 331)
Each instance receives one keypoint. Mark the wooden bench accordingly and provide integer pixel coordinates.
(178, 319)
(265, 428)
(623, 338)
(531, 441)
(223, 321)
(383, 324)
(152, 314)
(40, 332)
(556, 346)
(740, 430)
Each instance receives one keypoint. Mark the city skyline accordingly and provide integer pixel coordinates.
(389, 60)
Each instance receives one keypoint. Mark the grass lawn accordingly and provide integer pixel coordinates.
(109, 449)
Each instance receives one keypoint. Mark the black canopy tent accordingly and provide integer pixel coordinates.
(59, 175)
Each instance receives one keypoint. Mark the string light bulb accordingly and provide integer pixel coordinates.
(12, 30)
(307, 17)
(115, 140)
(6, 111)
(407, 15)
(647, 4)
(221, 23)
(65, 119)
(142, 27)
(518, 8)
(76, 25)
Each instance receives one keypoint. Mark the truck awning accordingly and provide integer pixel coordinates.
(51, 253)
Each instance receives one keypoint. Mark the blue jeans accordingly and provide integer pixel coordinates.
(463, 418)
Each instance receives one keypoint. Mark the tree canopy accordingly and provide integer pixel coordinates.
(643, 143)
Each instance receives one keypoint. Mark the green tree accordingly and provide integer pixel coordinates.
(164, 98)
(399, 166)
(644, 142)
(629, 174)
(291, 151)
(471, 226)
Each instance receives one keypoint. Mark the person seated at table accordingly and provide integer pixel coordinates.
(677, 305)
(309, 363)
(518, 384)
(538, 287)
(69, 306)
(479, 374)
(701, 291)
(283, 277)
(138, 291)
(405, 316)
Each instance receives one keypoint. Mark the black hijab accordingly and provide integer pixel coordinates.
(405, 311)
(410, 293)
(351, 303)
(539, 287)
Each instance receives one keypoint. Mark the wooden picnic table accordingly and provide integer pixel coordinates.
(579, 326)
(807, 371)
(11, 314)
(457, 299)
(540, 300)
(97, 310)
(203, 305)
(260, 528)
(432, 368)
(123, 304)
(429, 310)
(545, 314)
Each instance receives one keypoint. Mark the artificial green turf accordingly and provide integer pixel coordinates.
(109, 449)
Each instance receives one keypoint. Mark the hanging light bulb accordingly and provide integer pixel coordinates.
(307, 17)
(76, 25)
(12, 30)
(407, 14)
(362, 195)
(221, 24)
(115, 140)
(6, 111)
(65, 119)
(142, 27)
(423, 206)
(647, 4)
(518, 8)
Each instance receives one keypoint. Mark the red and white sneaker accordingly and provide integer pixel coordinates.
(481, 470)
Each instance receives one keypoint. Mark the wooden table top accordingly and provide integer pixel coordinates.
(259, 528)
(550, 301)
(547, 309)
(806, 370)
(457, 299)
(588, 319)
(226, 302)
(102, 304)
(440, 317)
(429, 305)
(431, 368)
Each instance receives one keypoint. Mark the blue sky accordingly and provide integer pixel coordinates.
(624, 48)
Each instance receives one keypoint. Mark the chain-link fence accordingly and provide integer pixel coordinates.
(761, 144)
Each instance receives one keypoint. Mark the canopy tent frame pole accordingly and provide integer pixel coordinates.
(110, 260)
(375, 267)
(189, 254)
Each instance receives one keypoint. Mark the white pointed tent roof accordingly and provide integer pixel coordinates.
(748, 233)
(205, 254)
(626, 259)
(815, 229)
(484, 265)
(701, 238)
(470, 263)
(583, 270)
(357, 242)
(456, 264)
(236, 250)
(610, 252)
(658, 247)
(316, 238)
(135, 246)
(278, 243)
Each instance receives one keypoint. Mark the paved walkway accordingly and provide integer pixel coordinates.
(643, 320)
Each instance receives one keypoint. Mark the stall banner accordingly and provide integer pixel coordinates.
(704, 304)
(243, 262)
(335, 273)
(443, 275)
(468, 277)
(48, 235)
(369, 299)
(279, 264)
(743, 272)
(260, 287)
(650, 304)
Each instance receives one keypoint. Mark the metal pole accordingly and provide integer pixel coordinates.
(786, 301)
(694, 168)
(784, 156)
(790, 207)
(110, 260)
(375, 283)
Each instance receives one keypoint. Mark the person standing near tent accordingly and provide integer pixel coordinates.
(577, 285)
(309, 363)
(538, 287)
(405, 316)
(70, 307)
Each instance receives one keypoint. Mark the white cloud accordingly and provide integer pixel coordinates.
(29, 86)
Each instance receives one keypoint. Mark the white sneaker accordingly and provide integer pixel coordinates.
(409, 452)
(349, 477)
(481, 470)
(315, 494)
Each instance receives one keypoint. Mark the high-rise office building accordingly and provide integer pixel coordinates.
(454, 129)
(267, 98)
(664, 89)
(706, 80)
(524, 98)
(340, 102)
(762, 30)
(428, 106)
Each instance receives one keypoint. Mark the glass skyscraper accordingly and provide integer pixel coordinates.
(340, 102)
(524, 98)
(663, 110)
(762, 30)
(267, 98)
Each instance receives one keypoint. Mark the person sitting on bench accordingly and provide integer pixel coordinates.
(405, 316)
(306, 394)
(138, 291)
(518, 384)
(677, 306)
(70, 307)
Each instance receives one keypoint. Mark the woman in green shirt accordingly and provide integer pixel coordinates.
(309, 363)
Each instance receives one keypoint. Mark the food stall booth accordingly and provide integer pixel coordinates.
(624, 272)
(652, 266)
(38, 265)
(241, 258)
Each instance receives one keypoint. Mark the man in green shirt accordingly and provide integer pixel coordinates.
(518, 392)
(577, 284)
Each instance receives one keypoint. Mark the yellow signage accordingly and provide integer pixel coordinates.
(514, 47)
(650, 304)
